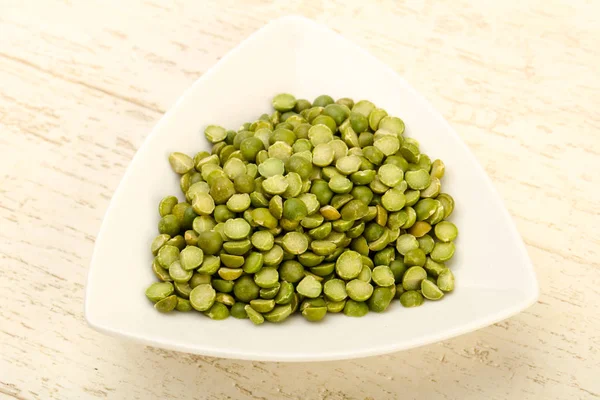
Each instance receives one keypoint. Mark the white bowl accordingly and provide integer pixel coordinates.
(494, 276)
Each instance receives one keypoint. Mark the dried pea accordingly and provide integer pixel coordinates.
(322, 207)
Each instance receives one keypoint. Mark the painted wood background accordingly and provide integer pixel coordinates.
(83, 82)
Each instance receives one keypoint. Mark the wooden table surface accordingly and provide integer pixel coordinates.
(83, 82)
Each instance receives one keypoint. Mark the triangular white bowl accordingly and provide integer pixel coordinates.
(494, 276)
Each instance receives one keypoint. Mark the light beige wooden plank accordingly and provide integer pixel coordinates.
(82, 83)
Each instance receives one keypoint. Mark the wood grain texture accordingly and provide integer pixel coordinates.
(83, 82)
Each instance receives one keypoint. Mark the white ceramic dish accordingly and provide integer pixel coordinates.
(495, 278)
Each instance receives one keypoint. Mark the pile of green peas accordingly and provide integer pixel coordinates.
(322, 207)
